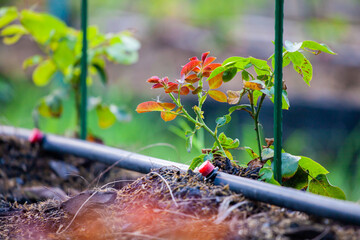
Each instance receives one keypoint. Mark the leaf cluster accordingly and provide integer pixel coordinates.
(61, 46)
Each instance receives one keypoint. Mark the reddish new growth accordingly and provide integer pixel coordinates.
(193, 72)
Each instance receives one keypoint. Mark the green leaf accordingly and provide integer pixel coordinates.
(305, 70)
(256, 95)
(298, 181)
(245, 75)
(313, 168)
(233, 60)
(261, 66)
(286, 60)
(101, 71)
(237, 62)
(267, 175)
(7, 15)
(251, 152)
(216, 71)
(64, 56)
(229, 74)
(267, 153)
(221, 121)
(12, 40)
(130, 43)
(209, 157)
(227, 143)
(105, 117)
(14, 29)
(320, 185)
(239, 107)
(51, 106)
(120, 54)
(317, 47)
(285, 99)
(43, 26)
(292, 47)
(43, 73)
(296, 57)
(289, 165)
(197, 161)
(31, 61)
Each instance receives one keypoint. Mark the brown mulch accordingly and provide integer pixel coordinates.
(164, 204)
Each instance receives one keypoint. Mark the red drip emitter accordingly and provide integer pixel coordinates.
(208, 170)
(36, 136)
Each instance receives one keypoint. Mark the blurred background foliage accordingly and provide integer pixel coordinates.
(323, 121)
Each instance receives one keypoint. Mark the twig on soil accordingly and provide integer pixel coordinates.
(225, 210)
(78, 175)
(323, 234)
(117, 181)
(171, 193)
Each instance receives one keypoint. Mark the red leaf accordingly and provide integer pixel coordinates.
(212, 66)
(168, 116)
(148, 107)
(189, 67)
(153, 79)
(193, 58)
(216, 81)
(167, 106)
(157, 85)
(197, 70)
(208, 61)
(208, 69)
(204, 56)
(184, 90)
(192, 78)
(191, 87)
(217, 95)
(152, 106)
(171, 87)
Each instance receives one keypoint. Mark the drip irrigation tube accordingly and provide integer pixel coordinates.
(284, 197)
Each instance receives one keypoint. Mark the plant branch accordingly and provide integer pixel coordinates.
(256, 120)
(213, 134)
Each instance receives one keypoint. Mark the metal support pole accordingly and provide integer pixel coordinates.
(279, 16)
(83, 76)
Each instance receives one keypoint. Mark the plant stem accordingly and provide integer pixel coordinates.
(199, 122)
(187, 115)
(255, 114)
(77, 97)
(213, 134)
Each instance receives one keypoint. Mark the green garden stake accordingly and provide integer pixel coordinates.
(279, 17)
(83, 108)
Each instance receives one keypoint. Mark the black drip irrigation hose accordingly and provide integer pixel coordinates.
(340, 210)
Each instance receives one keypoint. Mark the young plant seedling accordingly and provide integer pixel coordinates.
(61, 46)
(203, 77)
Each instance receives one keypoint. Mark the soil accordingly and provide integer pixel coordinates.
(165, 204)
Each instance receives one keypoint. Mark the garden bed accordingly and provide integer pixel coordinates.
(167, 203)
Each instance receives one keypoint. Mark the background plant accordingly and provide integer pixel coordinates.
(61, 46)
(257, 76)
